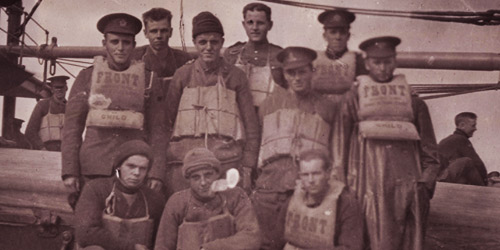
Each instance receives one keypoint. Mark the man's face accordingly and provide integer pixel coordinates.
(158, 33)
(208, 46)
(337, 38)
(133, 170)
(59, 90)
(256, 25)
(313, 177)
(119, 48)
(299, 79)
(381, 69)
(468, 126)
(201, 180)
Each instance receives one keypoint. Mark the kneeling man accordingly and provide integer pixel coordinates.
(199, 218)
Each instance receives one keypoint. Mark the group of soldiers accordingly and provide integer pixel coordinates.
(334, 150)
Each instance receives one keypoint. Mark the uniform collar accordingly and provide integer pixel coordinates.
(252, 46)
(210, 203)
(161, 54)
(315, 200)
(56, 101)
(218, 65)
(334, 55)
(460, 132)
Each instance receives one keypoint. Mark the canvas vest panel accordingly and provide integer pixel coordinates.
(291, 132)
(51, 126)
(312, 228)
(339, 74)
(210, 110)
(117, 97)
(138, 230)
(260, 79)
(385, 109)
(191, 235)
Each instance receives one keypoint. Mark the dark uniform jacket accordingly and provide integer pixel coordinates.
(42, 109)
(165, 63)
(93, 155)
(457, 146)
(235, 79)
(257, 55)
(90, 207)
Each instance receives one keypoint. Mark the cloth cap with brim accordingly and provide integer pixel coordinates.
(206, 22)
(295, 57)
(336, 19)
(120, 23)
(380, 47)
(199, 158)
(58, 79)
(130, 148)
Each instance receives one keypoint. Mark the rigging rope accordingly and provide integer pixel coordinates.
(67, 71)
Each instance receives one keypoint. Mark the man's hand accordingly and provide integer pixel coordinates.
(247, 179)
(72, 183)
(140, 247)
(155, 184)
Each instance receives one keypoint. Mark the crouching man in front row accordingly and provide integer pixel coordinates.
(322, 213)
(120, 212)
(199, 218)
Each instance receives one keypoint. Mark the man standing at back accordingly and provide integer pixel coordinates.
(257, 57)
(465, 165)
(160, 58)
(336, 68)
(115, 100)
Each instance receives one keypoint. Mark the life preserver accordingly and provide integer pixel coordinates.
(210, 110)
(139, 230)
(260, 79)
(192, 235)
(290, 132)
(385, 109)
(312, 228)
(51, 126)
(117, 97)
(339, 73)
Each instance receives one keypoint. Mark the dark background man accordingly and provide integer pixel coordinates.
(465, 165)
(47, 119)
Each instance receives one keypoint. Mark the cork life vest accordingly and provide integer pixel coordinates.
(312, 227)
(260, 79)
(385, 109)
(139, 230)
(191, 235)
(117, 97)
(339, 73)
(209, 110)
(291, 132)
(51, 126)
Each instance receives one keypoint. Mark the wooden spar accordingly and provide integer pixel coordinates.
(416, 60)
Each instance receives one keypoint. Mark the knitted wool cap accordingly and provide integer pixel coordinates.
(129, 148)
(199, 158)
(206, 22)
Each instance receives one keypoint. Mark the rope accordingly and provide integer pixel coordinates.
(490, 17)
(446, 90)
(72, 64)
(75, 61)
(67, 71)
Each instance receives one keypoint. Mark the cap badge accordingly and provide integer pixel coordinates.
(337, 18)
(292, 57)
(122, 23)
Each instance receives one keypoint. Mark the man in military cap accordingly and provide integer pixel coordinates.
(18, 137)
(336, 68)
(209, 105)
(292, 122)
(158, 56)
(115, 100)
(392, 142)
(257, 57)
(322, 213)
(47, 119)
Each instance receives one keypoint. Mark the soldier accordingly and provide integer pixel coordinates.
(257, 57)
(115, 100)
(209, 105)
(120, 212)
(292, 122)
(199, 218)
(392, 143)
(336, 68)
(47, 119)
(160, 58)
(322, 213)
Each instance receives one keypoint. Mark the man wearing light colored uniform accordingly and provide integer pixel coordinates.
(209, 105)
(47, 119)
(257, 57)
(114, 101)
